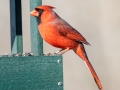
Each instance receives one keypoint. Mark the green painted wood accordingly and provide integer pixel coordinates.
(36, 40)
(31, 73)
(16, 26)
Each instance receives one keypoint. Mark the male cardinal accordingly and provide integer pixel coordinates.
(57, 32)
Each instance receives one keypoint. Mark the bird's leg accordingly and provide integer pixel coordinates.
(58, 51)
(63, 51)
(54, 54)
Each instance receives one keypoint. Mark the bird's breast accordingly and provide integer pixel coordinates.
(51, 35)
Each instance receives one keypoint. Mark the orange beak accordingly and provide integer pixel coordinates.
(34, 13)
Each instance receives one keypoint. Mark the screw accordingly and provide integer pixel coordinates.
(59, 61)
(60, 83)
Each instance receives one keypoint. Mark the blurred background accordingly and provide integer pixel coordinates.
(97, 20)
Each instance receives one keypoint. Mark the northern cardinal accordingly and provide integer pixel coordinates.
(57, 32)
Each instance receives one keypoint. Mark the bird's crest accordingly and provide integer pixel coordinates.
(45, 7)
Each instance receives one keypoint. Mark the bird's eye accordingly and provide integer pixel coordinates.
(39, 10)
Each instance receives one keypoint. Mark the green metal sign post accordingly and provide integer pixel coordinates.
(36, 40)
(16, 26)
(20, 71)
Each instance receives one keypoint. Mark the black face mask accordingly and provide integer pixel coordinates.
(40, 11)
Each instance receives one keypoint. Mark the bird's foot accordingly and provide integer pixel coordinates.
(58, 53)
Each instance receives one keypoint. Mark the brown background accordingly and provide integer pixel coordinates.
(98, 21)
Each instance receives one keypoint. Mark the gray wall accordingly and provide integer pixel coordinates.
(98, 21)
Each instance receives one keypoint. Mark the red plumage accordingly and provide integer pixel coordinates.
(57, 32)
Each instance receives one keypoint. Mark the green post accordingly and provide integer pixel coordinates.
(25, 72)
(36, 40)
(16, 26)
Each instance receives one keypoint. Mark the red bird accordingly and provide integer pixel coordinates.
(57, 32)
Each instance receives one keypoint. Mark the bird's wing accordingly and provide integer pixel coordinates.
(67, 31)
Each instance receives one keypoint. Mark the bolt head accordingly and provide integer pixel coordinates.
(59, 61)
(60, 83)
